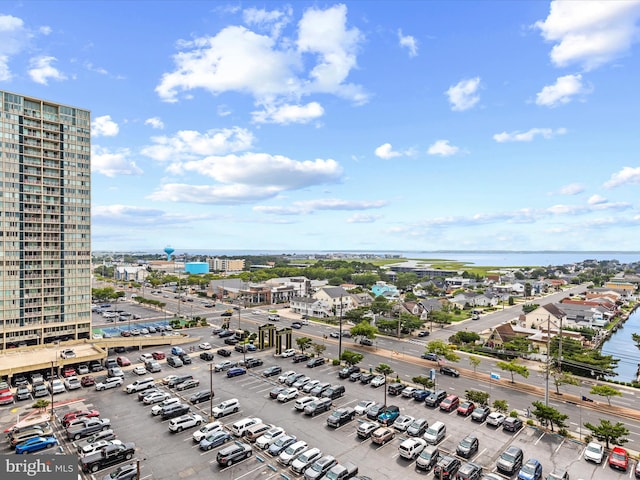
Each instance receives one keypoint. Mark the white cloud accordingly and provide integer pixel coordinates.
(45, 30)
(41, 70)
(442, 148)
(363, 218)
(5, 72)
(240, 60)
(409, 42)
(272, 20)
(14, 37)
(311, 206)
(562, 91)
(386, 152)
(590, 33)
(571, 189)
(596, 200)
(262, 169)
(104, 127)
(463, 95)
(112, 163)
(155, 122)
(286, 114)
(529, 135)
(628, 175)
(190, 144)
(223, 110)
(212, 194)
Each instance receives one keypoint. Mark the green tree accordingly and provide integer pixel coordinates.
(355, 315)
(529, 307)
(364, 329)
(561, 378)
(474, 361)
(351, 358)
(318, 348)
(425, 382)
(517, 344)
(380, 305)
(441, 348)
(605, 391)
(384, 369)
(464, 337)
(609, 433)
(548, 414)
(513, 367)
(500, 406)
(410, 322)
(441, 317)
(405, 280)
(303, 343)
(477, 396)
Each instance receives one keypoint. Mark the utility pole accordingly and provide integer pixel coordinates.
(546, 380)
(210, 391)
(51, 387)
(340, 333)
(560, 348)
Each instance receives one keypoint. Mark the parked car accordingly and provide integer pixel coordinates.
(365, 429)
(236, 371)
(109, 382)
(417, 427)
(187, 384)
(480, 414)
(362, 406)
(279, 446)
(420, 395)
(36, 444)
(206, 356)
(512, 424)
(470, 471)
(466, 408)
(287, 394)
(315, 362)
(383, 435)
(290, 352)
(378, 381)
(496, 419)
(215, 439)
(510, 460)
(347, 371)
(619, 459)
(320, 467)
(531, 470)
(201, 396)
(366, 378)
(223, 352)
(226, 365)
(341, 416)
(300, 357)
(450, 403)
(594, 453)
(468, 446)
(402, 422)
(446, 468)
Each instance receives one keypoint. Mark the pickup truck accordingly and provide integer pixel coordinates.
(342, 471)
(110, 455)
(87, 427)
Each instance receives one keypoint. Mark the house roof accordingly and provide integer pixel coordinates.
(335, 292)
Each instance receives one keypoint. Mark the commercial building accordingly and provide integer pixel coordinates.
(45, 211)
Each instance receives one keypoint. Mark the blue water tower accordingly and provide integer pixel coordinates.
(168, 250)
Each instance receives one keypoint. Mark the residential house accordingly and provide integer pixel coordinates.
(388, 291)
(472, 299)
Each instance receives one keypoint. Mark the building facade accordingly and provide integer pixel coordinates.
(45, 210)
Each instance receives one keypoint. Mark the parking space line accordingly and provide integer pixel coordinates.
(559, 446)
(539, 438)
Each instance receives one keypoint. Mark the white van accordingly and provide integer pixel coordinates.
(435, 433)
(226, 408)
(141, 384)
(241, 426)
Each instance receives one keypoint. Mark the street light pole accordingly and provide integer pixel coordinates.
(546, 380)
(210, 391)
(340, 333)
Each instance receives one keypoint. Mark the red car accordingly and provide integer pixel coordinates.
(123, 361)
(158, 355)
(68, 372)
(71, 416)
(87, 381)
(619, 459)
(466, 408)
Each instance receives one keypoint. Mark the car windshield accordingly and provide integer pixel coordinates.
(593, 448)
(508, 457)
(426, 455)
(529, 468)
(618, 456)
(465, 443)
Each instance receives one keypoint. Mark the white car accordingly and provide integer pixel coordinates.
(362, 406)
(402, 422)
(72, 383)
(140, 370)
(146, 357)
(496, 419)
(594, 453)
(378, 381)
(109, 382)
(287, 394)
(284, 375)
(289, 352)
(269, 437)
(206, 430)
(97, 446)
(185, 421)
(204, 346)
(156, 409)
(155, 397)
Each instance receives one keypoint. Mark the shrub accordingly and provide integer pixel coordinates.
(336, 361)
(513, 414)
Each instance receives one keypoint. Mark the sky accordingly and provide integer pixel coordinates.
(364, 125)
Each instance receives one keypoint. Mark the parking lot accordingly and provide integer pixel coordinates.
(165, 455)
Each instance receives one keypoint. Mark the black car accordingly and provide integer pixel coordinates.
(186, 359)
(347, 371)
(252, 362)
(450, 371)
(124, 472)
(224, 352)
(233, 454)
(340, 416)
(355, 376)
(314, 362)
(423, 333)
(300, 357)
(366, 378)
(470, 471)
(446, 468)
(225, 333)
(512, 424)
(271, 371)
(367, 342)
(430, 356)
(468, 446)
(201, 396)
(231, 340)
(275, 391)
(208, 356)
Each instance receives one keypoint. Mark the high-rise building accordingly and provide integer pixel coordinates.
(45, 216)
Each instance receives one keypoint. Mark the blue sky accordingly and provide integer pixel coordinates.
(346, 126)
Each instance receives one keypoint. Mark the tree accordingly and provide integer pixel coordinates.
(529, 307)
(501, 406)
(364, 329)
(303, 343)
(405, 280)
(548, 414)
(410, 322)
(380, 305)
(442, 349)
(513, 367)
(384, 369)
(517, 344)
(605, 391)
(474, 361)
(477, 396)
(560, 377)
(426, 382)
(351, 358)
(608, 432)
(441, 317)
(318, 348)
(464, 337)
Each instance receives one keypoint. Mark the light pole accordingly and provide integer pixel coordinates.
(210, 391)
(340, 333)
